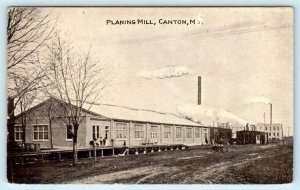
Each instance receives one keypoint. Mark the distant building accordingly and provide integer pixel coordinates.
(251, 137)
(236, 128)
(274, 131)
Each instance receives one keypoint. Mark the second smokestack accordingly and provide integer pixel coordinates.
(270, 113)
(199, 90)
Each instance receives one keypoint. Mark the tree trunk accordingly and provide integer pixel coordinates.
(51, 138)
(11, 119)
(24, 128)
(75, 157)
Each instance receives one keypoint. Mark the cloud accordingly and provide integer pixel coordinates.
(207, 115)
(259, 100)
(166, 72)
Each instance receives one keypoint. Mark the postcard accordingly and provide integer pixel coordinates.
(150, 95)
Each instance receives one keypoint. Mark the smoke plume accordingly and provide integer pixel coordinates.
(165, 72)
(259, 100)
(207, 115)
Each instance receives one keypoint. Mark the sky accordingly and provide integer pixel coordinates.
(244, 56)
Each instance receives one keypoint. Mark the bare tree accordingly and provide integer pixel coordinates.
(28, 30)
(77, 81)
(25, 103)
(52, 110)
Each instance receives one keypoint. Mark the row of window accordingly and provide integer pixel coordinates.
(139, 132)
(274, 128)
(253, 128)
(274, 134)
(40, 132)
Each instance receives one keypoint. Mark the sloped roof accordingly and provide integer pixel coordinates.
(127, 113)
(142, 115)
(45, 102)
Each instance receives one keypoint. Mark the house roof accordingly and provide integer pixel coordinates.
(141, 115)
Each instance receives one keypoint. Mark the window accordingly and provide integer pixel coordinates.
(270, 128)
(197, 132)
(138, 131)
(278, 128)
(121, 130)
(96, 131)
(40, 132)
(274, 128)
(270, 134)
(274, 134)
(167, 132)
(277, 134)
(18, 133)
(154, 132)
(266, 128)
(178, 132)
(188, 133)
(69, 132)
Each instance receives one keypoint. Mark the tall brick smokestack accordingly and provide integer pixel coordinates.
(199, 90)
(270, 113)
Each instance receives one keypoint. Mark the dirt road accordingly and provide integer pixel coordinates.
(193, 169)
(242, 164)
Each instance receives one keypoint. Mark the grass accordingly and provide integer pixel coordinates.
(276, 169)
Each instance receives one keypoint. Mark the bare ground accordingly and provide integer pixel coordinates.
(242, 164)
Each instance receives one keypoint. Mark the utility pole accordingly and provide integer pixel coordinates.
(282, 135)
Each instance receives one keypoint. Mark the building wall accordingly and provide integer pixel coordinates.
(200, 139)
(56, 125)
(190, 139)
(104, 127)
(162, 130)
(149, 131)
(29, 128)
(59, 133)
(109, 126)
(181, 139)
(119, 142)
(59, 130)
(135, 141)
